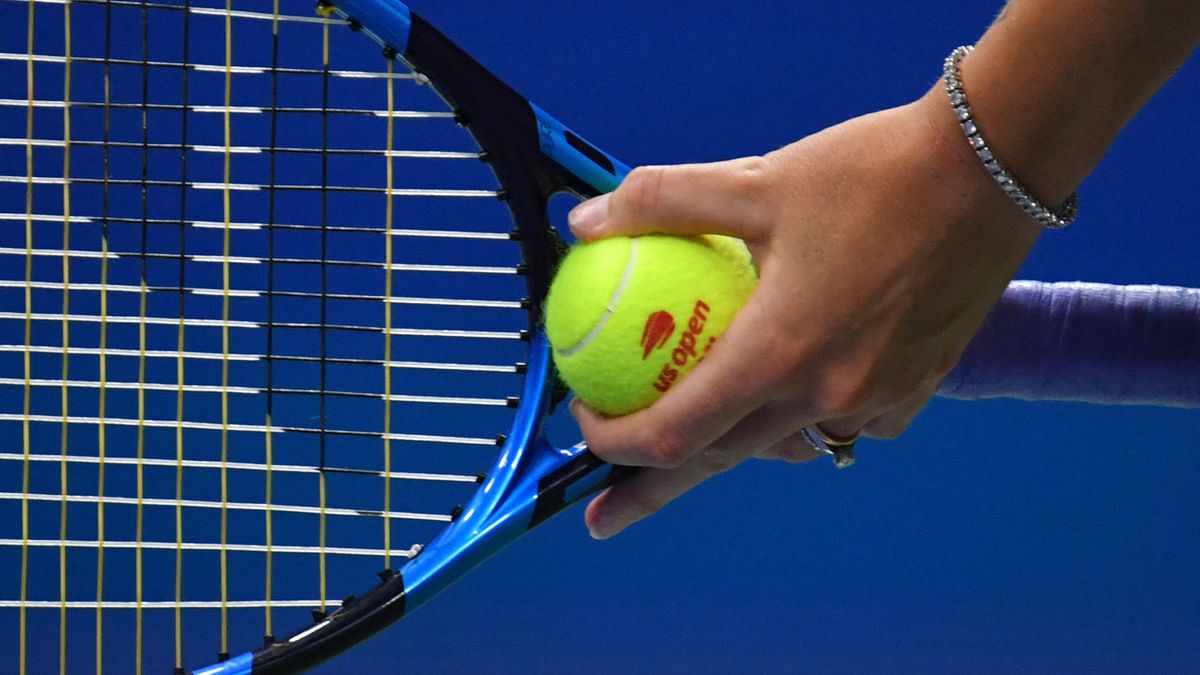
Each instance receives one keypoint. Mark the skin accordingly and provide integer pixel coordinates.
(868, 297)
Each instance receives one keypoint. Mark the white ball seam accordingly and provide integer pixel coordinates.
(611, 307)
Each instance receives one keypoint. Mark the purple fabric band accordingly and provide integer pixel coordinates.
(1086, 342)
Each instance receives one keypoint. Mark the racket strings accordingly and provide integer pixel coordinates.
(235, 352)
(277, 227)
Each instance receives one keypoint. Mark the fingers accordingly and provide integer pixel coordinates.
(771, 430)
(718, 198)
(735, 379)
(649, 490)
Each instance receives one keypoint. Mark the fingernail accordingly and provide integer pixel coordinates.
(598, 531)
(581, 412)
(588, 216)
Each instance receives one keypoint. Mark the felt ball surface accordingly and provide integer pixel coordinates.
(627, 317)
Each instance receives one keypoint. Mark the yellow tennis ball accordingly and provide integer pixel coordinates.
(628, 316)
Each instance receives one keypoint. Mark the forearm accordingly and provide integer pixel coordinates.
(1053, 81)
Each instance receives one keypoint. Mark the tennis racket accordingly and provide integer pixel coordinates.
(270, 359)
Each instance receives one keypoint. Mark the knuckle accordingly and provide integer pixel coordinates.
(665, 447)
(749, 178)
(783, 365)
(640, 191)
(842, 396)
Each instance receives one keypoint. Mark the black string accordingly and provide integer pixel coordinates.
(277, 226)
(366, 112)
(175, 147)
(146, 182)
(104, 209)
(180, 65)
(324, 242)
(279, 261)
(268, 637)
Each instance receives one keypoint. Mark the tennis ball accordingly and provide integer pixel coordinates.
(627, 317)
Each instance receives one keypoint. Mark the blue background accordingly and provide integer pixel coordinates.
(992, 536)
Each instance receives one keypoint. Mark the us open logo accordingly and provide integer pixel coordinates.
(659, 328)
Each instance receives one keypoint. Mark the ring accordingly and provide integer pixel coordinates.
(840, 448)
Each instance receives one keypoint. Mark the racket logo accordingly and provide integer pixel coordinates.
(660, 326)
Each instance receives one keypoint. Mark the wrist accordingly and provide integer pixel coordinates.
(1045, 216)
(1031, 130)
(965, 183)
(1053, 81)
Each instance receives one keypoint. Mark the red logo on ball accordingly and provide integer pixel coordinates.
(660, 326)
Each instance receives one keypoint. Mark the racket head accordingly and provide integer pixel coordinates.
(171, 245)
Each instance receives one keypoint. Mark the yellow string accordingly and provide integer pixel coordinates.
(269, 450)
(101, 439)
(101, 450)
(387, 336)
(28, 334)
(225, 333)
(321, 474)
(179, 495)
(66, 334)
(144, 291)
(179, 398)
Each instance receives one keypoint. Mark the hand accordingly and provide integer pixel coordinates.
(881, 245)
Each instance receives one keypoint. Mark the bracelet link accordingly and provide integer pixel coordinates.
(952, 78)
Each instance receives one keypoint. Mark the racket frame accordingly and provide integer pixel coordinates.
(534, 156)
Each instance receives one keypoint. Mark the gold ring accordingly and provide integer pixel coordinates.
(836, 441)
(842, 449)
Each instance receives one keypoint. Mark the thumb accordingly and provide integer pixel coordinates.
(717, 198)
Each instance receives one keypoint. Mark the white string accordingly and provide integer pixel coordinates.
(159, 604)
(256, 187)
(209, 356)
(255, 150)
(250, 391)
(117, 288)
(203, 11)
(410, 552)
(233, 506)
(210, 68)
(209, 224)
(254, 260)
(237, 466)
(245, 428)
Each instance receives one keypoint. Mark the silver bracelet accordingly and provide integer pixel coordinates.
(951, 75)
